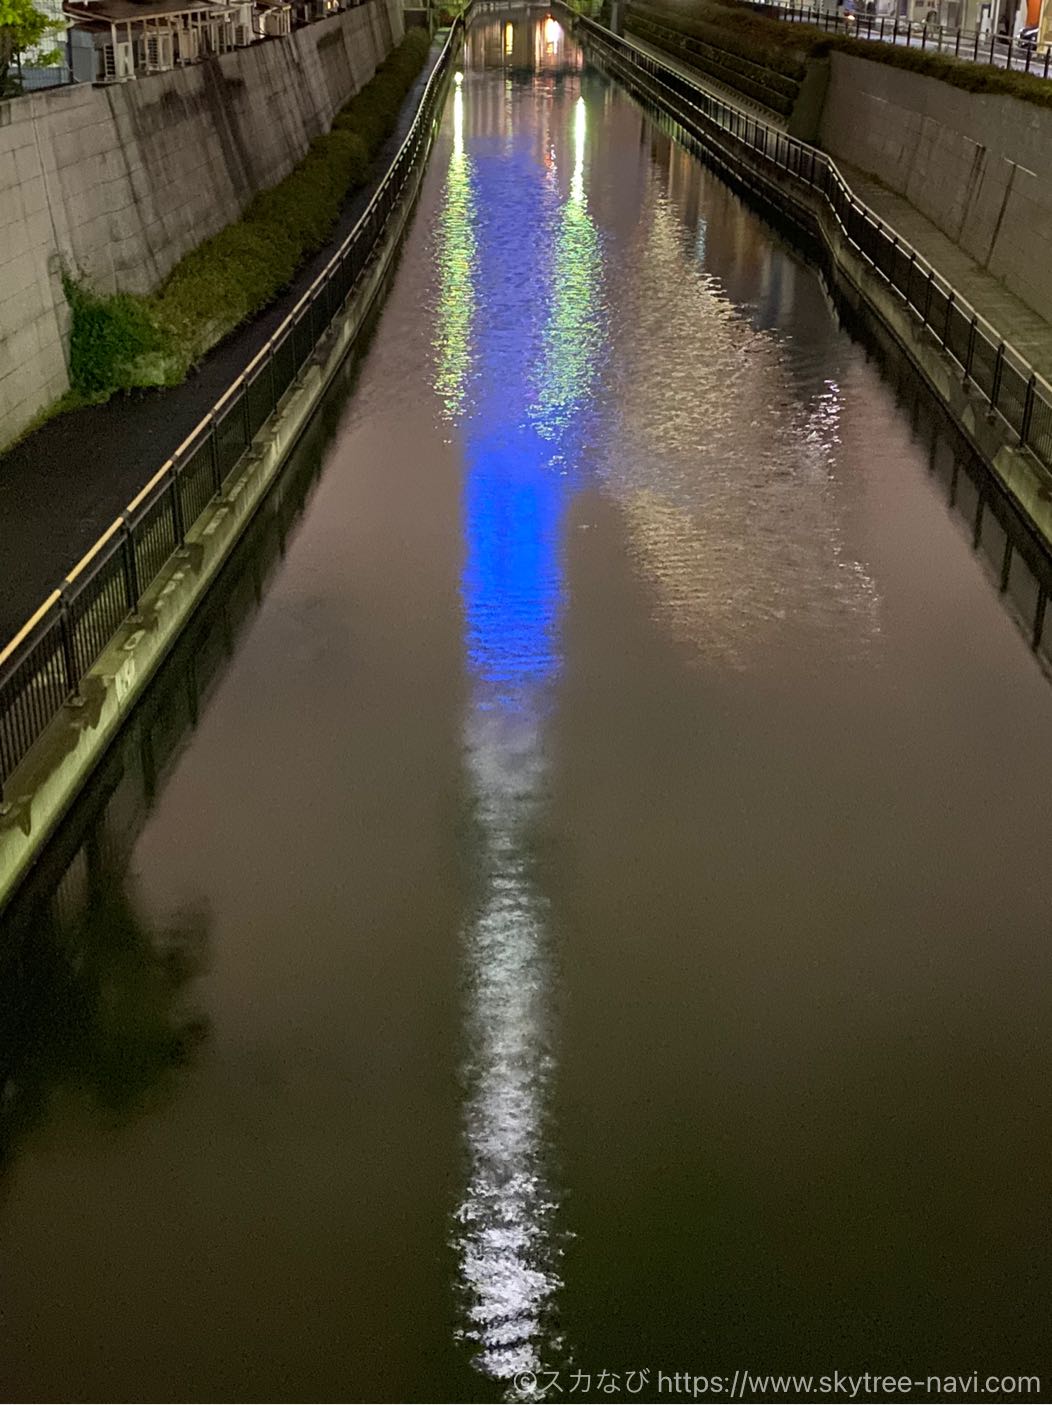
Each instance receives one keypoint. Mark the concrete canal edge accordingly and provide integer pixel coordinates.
(866, 295)
(44, 785)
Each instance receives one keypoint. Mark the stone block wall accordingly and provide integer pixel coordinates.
(979, 167)
(117, 183)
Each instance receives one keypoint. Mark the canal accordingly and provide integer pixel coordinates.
(579, 897)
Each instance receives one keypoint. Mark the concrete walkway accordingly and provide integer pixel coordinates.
(62, 486)
(1018, 324)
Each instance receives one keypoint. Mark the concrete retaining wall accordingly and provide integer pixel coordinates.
(118, 183)
(1026, 482)
(55, 769)
(979, 167)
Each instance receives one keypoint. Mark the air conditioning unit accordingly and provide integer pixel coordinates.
(158, 52)
(118, 61)
(189, 45)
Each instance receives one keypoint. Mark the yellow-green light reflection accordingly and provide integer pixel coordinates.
(456, 252)
(573, 333)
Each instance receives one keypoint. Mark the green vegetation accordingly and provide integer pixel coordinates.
(736, 29)
(708, 33)
(22, 27)
(736, 47)
(124, 341)
(971, 77)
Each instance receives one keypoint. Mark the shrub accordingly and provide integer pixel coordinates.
(125, 341)
(113, 341)
(738, 28)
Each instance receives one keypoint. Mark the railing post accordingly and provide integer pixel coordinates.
(131, 569)
(213, 455)
(946, 320)
(69, 657)
(177, 506)
(970, 354)
(1039, 618)
(999, 366)
(1028, 410)
(927, 295)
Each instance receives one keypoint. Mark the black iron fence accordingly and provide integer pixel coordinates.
(1020, 52)
(1010, 388)
(43, 667)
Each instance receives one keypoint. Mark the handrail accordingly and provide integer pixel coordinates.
(267, 346)
(775, 139)
(970, 45)
(44, 662)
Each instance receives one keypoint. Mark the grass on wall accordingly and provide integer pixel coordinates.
(125, 341)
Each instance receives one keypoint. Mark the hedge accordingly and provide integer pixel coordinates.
(125, 341)
(738, 28)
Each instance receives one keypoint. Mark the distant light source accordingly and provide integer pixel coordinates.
(458, 78)
(553, 32)
(579, 127)
(509, 37)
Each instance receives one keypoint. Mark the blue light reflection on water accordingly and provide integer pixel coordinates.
(534, 333)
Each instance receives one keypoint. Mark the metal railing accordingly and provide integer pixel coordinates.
(34, 78)
(1012, 390)
(44, 665)
(999, 50)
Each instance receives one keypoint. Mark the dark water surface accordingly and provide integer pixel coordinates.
(581, 898)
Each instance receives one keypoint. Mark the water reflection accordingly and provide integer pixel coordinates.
(531, 41)
(456, 250)
(94, 1013)
(520, 468)
(574, 330)
(726, 465)
(97, 1014)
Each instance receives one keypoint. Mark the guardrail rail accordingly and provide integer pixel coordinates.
(990, 367)
(999, 50)
(43, 666)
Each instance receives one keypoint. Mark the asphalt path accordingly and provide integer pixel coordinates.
(62, 486)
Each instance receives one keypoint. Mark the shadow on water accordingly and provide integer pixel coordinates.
(1015, 559)
(95, 1005)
